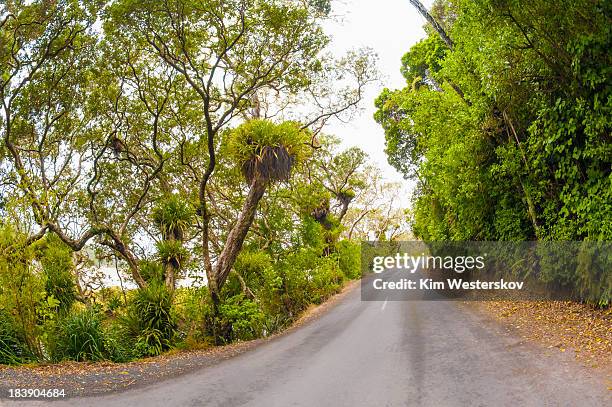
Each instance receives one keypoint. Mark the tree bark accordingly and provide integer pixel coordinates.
(421, 9)
(443, 35)
(238, 233)
(345, 205)
(170, 273)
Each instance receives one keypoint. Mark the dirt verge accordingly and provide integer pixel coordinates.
(89, 379)
(563, 326)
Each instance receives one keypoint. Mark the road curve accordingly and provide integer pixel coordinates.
(425, 353)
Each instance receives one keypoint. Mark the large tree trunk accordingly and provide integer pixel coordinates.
(237, 234)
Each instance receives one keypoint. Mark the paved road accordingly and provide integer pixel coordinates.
(427, 353)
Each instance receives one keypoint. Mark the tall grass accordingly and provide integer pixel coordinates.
(80, 337)
(150, 321)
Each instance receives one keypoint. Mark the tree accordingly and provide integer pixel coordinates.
(228, 52)
(434, 23)
(156, 92)
(523, 152)
(375, 213)
(340, 173)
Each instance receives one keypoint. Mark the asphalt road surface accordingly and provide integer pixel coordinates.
(409, 353)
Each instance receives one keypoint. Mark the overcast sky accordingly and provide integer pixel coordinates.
(390, 27)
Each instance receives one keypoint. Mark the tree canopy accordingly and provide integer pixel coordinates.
(179, 144)
(506, 126)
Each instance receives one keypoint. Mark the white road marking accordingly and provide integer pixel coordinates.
(384, 305)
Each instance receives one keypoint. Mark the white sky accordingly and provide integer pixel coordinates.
(390, 27)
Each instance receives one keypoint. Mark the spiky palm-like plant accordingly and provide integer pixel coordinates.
(172, 252)
(267, 151)
(173, 215)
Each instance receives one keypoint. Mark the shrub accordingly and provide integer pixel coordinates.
(275, 323)
(22, 289)
(349, 258)
(325, 280)
(13, 350)
(80, 337)
(56, 261)
(293, 281)
(306, 278)
(114, 303)
(242, 317)
(195, 311)
(312, 233)
(250, 264)
(150, 321)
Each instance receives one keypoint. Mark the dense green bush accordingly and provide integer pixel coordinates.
(56, 261)
(13, 349)
(150, 320)
(242, 318)
(307, 278)
(507, 133)
(325, 279)
(349, 258)
(193, 307)
(22, 292)
(119, 347)
(80, 337)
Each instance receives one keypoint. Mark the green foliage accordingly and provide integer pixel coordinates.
(80, 337)
(266, 149)
(13, 349)
(423, 60)
(325, 279)
(84, 336)
(114, 303)
(172, 252)
(89, 90)
(150, 320)
(56, 261)
(195, 312)
(111, 299)
(349, 258)
(307, 278)
(251, 263)
(119, 347)
(508, 133)
(22, 292)
(312, 233)
(242, 317)
(321, 6)
(152, 271)
(173, 216)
